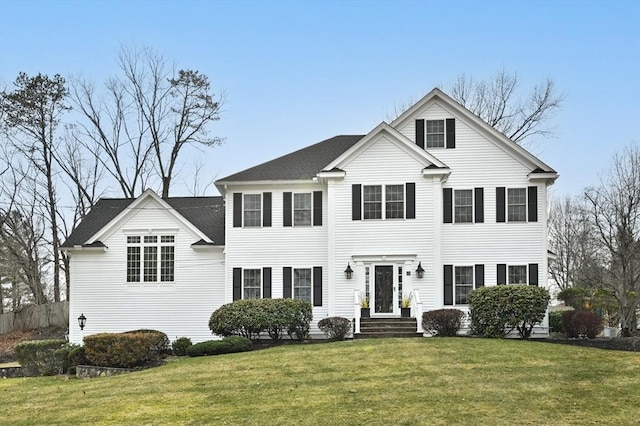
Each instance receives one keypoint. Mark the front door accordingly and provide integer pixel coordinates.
(383, 290)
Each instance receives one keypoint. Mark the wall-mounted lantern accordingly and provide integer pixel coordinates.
(420, 270)
(82, 321)
(348, 272)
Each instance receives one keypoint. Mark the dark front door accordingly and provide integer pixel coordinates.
(383, 302)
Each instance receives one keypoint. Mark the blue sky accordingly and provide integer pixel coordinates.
(297, 72)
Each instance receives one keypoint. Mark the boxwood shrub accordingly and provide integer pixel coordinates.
(336, 328)
(496, 311)
(251, 318)
(43, 357)
(227, 345)
(181, 345)
(126, 350)
(442, 322)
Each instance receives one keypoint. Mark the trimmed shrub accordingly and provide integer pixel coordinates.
(181, 345)
(251, 318)
(496, 311)
(443, 322)
(555, 321)
(336, 328)
(43, 357)
(126, 350)
(227, 345)
(582, 324)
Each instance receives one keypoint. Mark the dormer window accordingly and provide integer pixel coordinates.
(435, 133)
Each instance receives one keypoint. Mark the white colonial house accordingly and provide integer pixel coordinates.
(430, 206)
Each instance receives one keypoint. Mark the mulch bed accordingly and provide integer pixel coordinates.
(631, 344)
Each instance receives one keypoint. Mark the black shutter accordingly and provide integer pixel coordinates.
(266, 283)
(317, 286)
(411, 200)
(356, 210)
(448, 284)
(447, 205)
(479, 205)
(500, 204)
(451, 132)
(533, 203)
(533, 274)
(479, 276)
(286, 209)
(266, 209)
(237, 283)
(286, 282)
(502, 274)
(420, 133)
(317, 208)
(237, 209)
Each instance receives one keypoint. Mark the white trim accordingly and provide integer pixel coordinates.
(367, 258)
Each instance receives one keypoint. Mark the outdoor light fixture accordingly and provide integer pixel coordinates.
(348, 272)
(420, 270)
(82, 321)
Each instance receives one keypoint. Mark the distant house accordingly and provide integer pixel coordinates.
(436, 190)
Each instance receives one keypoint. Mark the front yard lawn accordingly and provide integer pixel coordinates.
(377, 382)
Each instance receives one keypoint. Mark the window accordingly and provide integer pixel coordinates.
(518, 274)
(435, 133)
(394, 199)
(252, 209)
(463, 283)
(302, 284)
(400, 295)
(463, 210)
(302, 209)
(252, 285)
(150, 257)
(517, 205)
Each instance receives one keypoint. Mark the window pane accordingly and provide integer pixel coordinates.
(394, 195)
(517, 205)
(166, 263)
(464, 283)
(463, 211)
(372, 197)
(167, 239)
(133, 264)
(518, 274)
(252, 287)
(302, 209)
(133, 240)
(252, 209)
(302, 284)
(150, 239)
(150, 264)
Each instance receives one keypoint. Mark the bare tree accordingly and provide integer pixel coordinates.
(614, 211)
(572, 240)
(32, 113)
(151, 113)
(498, 102)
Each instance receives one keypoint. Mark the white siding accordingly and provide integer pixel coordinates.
(182, 308)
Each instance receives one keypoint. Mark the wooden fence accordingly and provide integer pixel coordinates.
(31, 317)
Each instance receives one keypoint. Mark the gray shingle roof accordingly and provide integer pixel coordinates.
(205, 213)
(299, 165)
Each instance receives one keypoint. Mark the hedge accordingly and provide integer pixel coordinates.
(43, 357)
(497, 311)
(126, 350)
(227, 345)
(251, 318)
(442, 322)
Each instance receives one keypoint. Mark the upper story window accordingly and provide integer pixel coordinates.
(252, 209)
(372, 201)
(302, 209)
(394, 208)
(393, 196)
(463, 209)
(517, 204)
(435, 134)
(518, 274)
(150, 258)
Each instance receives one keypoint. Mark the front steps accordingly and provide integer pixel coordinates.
(387, 327)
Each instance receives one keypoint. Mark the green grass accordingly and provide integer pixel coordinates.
(374, 382)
